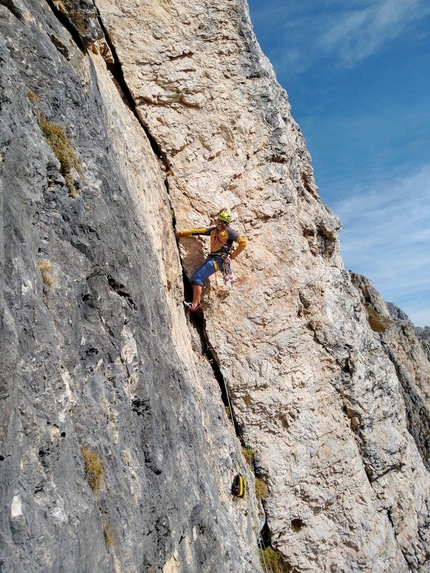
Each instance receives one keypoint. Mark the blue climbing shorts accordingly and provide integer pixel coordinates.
(208, 268)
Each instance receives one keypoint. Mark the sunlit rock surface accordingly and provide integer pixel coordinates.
(117, 453)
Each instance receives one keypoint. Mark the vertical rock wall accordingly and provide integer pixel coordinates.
(116, 453)
(314, 391)
(408, 354)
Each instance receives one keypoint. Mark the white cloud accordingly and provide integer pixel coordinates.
(302, 33)
(386, 237)
(361, 32)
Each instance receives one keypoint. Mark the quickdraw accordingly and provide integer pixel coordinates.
(238, 487)
(227, 273)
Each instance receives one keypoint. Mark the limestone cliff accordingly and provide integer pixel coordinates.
(119, 122)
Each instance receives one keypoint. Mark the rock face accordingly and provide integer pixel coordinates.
(422, 334)
(120, 121)
(407, 349)
(116, 451)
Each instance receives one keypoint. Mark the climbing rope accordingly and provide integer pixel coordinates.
(228, 275)
(266, 566)
(250, 500)
(254, 512)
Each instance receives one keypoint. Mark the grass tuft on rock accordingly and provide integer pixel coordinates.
(32, 97)
(45, 267)
(272, 561)
(249, 455)
(261, 489)
(108, 533)
(93, 469)
(377, 322)
(56, 138)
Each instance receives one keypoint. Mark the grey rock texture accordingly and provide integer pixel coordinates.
(407, 352)
(119, 122)
(116, 453)
(423, 334)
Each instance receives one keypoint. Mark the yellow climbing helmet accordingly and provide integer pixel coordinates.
(224, 216)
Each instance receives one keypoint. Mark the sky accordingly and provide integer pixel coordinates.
(357, 74)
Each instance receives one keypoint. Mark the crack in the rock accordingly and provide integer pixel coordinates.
(9, 4)
(198, 320)
(115, 69)
(64, 21)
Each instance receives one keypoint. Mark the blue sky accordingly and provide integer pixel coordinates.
(357, 73)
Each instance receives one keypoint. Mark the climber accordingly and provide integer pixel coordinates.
(222, 238)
